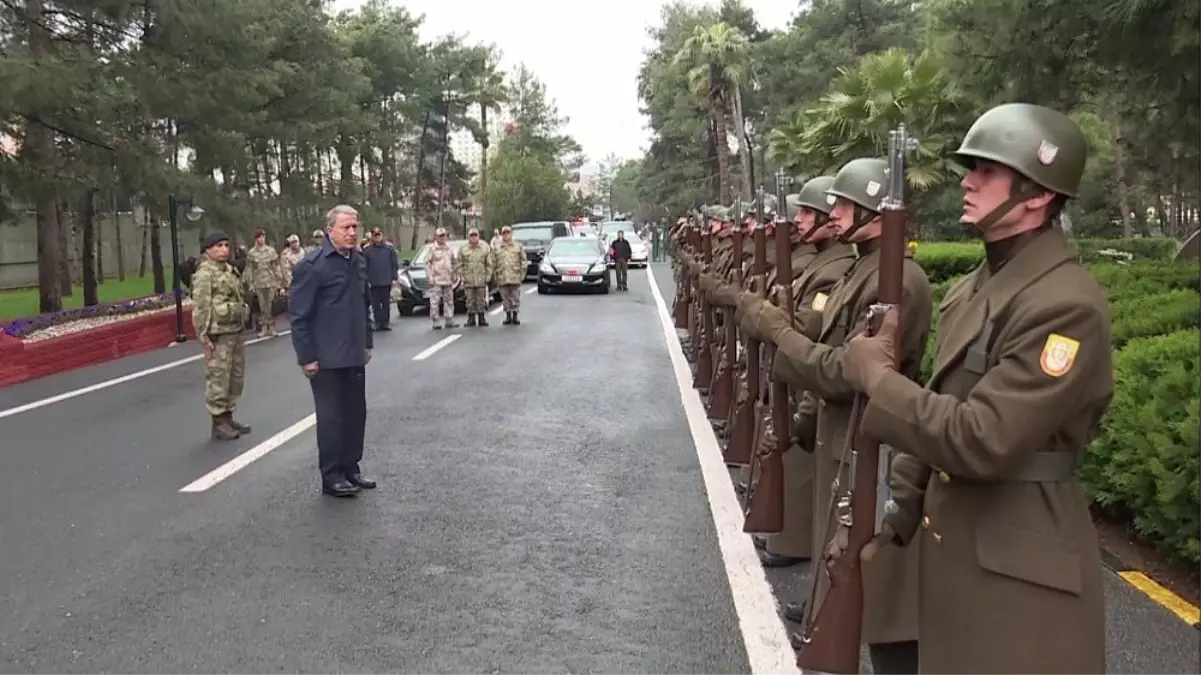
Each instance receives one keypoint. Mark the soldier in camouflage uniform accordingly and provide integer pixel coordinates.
(291, 255)
(218, 312)
(264, 274)
(315, 241)
(440, 270)
(508, 264)
(473, 265)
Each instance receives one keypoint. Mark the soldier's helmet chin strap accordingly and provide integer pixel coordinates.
(863, 216)
(1019, 192)
(819, 221)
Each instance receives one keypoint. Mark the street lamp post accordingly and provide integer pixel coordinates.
(194, 214)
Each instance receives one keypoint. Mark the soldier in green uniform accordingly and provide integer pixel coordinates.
(218, 313)
(509, 265)
(815, 366)
(1010, 573)
(474, 268)
(265, 276)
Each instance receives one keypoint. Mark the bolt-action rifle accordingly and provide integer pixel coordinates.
(702, 378)
(682, 301)
(694, 246)
(765, 507)
(722, 391)
(833, 628)
(740, 445)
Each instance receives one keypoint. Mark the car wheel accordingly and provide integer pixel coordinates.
(404, 309)
(543, 290)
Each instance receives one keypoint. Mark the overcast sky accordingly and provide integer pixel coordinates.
(587, 53)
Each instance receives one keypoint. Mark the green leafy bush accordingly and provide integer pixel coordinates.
(1143, 248)
(943, 260)
(1136, 316)
(1144, 466)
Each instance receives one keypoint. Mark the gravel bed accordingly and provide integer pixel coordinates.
(94, 322)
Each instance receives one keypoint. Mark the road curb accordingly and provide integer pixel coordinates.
(1158, 593)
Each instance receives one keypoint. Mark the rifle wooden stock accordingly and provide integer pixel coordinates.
(722, 391)
(702, 378)
(694, 243)
(834, 630)
(740, 448)
(765, 509)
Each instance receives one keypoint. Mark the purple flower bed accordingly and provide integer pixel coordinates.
(20, 328)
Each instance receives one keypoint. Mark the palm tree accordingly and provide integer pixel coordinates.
(866, 102)
(717, 62)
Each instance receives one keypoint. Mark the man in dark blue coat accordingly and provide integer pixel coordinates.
(331, 333)
(382, 268)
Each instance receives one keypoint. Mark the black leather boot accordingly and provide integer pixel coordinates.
(471, 320)
(483, 322)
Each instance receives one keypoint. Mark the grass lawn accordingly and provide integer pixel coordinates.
(23, 303)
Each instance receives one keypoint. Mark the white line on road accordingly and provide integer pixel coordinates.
(433, 349)
(111, 383)
(763, 632)
(529, 290)
(244, 460)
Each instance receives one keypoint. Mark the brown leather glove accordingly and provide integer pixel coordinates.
(708, 283)
(769, 320)
(865, 360)
(747, 314)
(726, 295)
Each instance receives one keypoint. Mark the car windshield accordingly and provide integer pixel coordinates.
(630, 237)
(419, 259)
(611, 227)
(574, 247)
(541, 232)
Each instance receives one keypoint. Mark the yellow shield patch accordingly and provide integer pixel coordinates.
(819, 302)
(1059, 353)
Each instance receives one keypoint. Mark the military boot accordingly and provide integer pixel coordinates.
(483, 321)
(242, 429)
(450, 323)
(516, 321)
(222, 431)
(471, 320)
(508, 318)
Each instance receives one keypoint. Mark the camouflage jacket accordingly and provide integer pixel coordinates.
(473, 265)
(288, 259)
(508, 261)
(440, 265)
(263, 268)
(218, 307)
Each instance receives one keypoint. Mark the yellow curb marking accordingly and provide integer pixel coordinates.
(1169, 600)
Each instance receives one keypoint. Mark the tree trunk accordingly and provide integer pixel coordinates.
(1119, 170)
(744, 147)
(156, 251)
(442, 164)
(144, 255)
(712, 173)
(87, 226)
(425, 123)
(346, 157)
(117, 240)
(64, 246)
(723, 151)
(41, 155)
(482, 200)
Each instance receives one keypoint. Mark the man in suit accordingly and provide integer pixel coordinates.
(331, 333)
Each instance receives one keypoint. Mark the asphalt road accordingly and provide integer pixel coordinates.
(547, 503)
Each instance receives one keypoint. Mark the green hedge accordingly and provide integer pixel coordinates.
(1143, 467)
(943, 260)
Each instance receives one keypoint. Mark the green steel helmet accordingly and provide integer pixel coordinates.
(721, 213)
(1043, 145)
(863, 181)
(792, 204)
(813, 194)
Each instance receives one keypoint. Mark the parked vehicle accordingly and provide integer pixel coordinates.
(535, 237)
(639, 253)
(574, 263)
(414, 286)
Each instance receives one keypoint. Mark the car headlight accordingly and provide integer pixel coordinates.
(598, 267)
(546, 268)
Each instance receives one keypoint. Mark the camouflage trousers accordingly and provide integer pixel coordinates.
(442, 302)
(266, 297)
(224, 374)
(477, 299)
(510, 297)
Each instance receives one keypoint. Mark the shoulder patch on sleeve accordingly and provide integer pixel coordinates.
(1059, 353)
(819, 302)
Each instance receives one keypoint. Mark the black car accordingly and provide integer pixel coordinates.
(574, 263)
(534, 238)
(414, 286)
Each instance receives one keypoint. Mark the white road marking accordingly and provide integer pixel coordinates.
(59, 398)
(529, 290)
(767, 647)
(433, 349)
(244, 460)
(496, 311)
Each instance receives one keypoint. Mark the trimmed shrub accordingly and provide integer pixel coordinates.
(943, 260)
(1144, 466)
(1143, 248)
(1137, 316)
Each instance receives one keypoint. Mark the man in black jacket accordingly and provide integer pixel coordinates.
(382, 268)
(331, 333)
(620, 252)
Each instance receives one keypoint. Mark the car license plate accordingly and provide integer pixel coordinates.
(572, 276)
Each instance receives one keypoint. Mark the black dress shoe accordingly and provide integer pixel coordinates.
(384, 328)
(795, 611)
(341, 488)
(770, 559)
(357, 479)
(760, 541)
